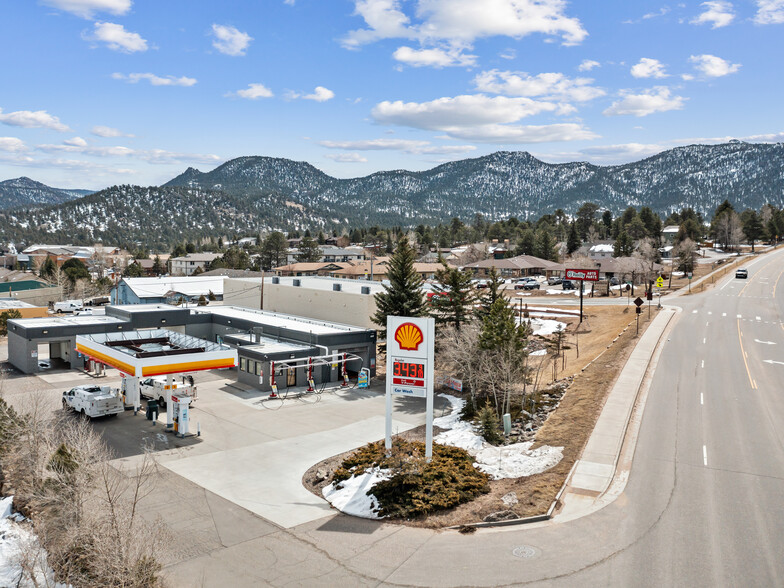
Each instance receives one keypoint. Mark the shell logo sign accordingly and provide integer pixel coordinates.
(409, 336)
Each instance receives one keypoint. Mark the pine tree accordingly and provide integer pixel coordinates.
(573, 241)
(157, 267)
(308, 250)
(623, 245)
(453, 296)
(490, 294)
(403, 296)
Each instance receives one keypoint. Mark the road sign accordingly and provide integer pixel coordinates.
(638, 309)
(639, 301)
(689, 275)
(659, 282)
(589, 275)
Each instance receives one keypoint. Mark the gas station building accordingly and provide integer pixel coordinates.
(258, 339)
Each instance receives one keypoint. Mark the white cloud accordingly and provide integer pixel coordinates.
(39, 119)
(712, 66)
(437, 58)
(627, 150)
(657, 99)
(519, 134)
(320, 94)
(588, 65)
(76, 142)
(12, 145)
(508, 54)
(769, 12)
(687, 77)
(155, 80)
(404, 145)
(253, 92)
(346, 157)
(86, 8)
(461, 22)
(289, 2)
(717, 13)
(461, 111)
(117, 38)
(661, 12)
(649, 68)
(102, 131)
(229, 40)
(550, 86)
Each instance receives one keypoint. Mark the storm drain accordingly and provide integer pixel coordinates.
(525, 551)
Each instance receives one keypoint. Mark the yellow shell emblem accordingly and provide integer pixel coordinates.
(409, 336)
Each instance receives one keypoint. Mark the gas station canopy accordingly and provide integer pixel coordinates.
(155, 352)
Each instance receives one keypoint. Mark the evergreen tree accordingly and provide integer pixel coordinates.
(752, 227)
(453, 296)
(490, 294)
(273, 250)
(403, 296)
(75, 270)
(308, 250)
(134, 270)
(624, 246)
(527, 243)
(48, 269)
(4, 316)
(545, 245)
(573, 241)
(157, 266)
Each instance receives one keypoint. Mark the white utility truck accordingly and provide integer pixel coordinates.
(68, 306)
(155, 389)
(93, 401)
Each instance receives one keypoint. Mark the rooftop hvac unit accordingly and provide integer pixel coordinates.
(336, 287)
(366, 289)
(295, 283)
(276, 280)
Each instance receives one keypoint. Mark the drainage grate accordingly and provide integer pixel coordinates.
(525, 551)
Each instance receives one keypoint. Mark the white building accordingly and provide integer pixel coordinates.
(185, 266)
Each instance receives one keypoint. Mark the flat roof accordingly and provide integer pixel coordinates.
(70, 321)
(269, 345)
(275, 319)
(147, 341)
(322, 283)
(14, 303)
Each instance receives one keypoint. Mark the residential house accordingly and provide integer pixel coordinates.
(670, 232)
(316, 268)
(186, 265)
(515, 267)
(165, 289)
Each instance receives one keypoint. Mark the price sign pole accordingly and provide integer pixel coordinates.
(410, 369)
(582, 275)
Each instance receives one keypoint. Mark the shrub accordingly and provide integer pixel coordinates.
(488, 423)
(416, 487)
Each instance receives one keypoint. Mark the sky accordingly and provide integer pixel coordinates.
(95, 93)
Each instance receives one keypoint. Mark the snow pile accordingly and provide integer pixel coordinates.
(545, 326)
(351, 496)
(539, 352)
(508, 461)
(16, 542)
(563, 292)
(517, 460)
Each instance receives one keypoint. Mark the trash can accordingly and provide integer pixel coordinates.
(152, 410)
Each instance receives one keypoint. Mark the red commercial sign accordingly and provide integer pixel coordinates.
(589, 275)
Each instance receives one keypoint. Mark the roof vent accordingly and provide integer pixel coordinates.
(295, 283)
(366, 289)
(276, 280)
(336, 287)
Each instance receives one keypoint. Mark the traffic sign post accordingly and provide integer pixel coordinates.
(410, 367)
(638, 302)
(591, 275)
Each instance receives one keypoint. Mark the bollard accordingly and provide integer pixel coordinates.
(198, 429)
(507, 424)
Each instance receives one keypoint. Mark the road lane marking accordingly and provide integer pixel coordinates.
(745, 362)
(694, 312)
(723, 314)
(759, 319)
(709, 312)
(704, 455)
(707, 323)
(703, 340)
(702, 365)
(764, 342)
(702, 398)
(739, 316)
(777, 283)
(772, 361)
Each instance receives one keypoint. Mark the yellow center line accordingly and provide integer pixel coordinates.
(745, 362)
(777, 283)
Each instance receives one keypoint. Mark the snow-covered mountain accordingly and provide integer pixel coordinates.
(26, 192)
(254, 194)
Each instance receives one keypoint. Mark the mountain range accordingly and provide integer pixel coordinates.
(26, 192)
(248, 195)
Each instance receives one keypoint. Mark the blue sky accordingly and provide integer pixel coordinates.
(102, 92)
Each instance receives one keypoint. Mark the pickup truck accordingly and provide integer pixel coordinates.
(93, 401)
(155, 389)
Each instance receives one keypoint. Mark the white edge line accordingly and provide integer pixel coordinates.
(704, 455)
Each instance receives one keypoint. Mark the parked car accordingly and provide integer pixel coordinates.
(554, 280)
(480, 284)
(93, 401)
(742, 273)
(154, 388)
(568, 285)
(614, 281)
(528, 284)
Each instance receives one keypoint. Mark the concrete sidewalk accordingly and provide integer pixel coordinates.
(589, 485)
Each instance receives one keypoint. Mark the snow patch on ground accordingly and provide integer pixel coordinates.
(539, 352)
(546, 327)
(16, 540)
(351, 496)
(517, 460)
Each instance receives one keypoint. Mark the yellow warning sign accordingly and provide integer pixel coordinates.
(660, 282)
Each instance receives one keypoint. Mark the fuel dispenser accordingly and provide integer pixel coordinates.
(180, 409)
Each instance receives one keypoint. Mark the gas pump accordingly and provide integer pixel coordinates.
(180, 417)
(311, 387)
(130, 389)
(274, 393)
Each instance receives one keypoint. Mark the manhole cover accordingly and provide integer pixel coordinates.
(525, 551)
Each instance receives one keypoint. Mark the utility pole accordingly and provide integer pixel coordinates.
(581, 301)
(261, 300)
